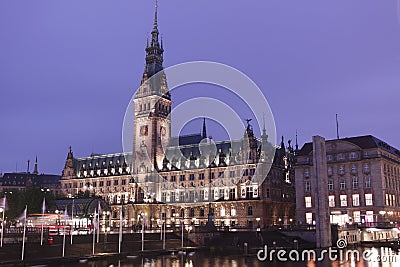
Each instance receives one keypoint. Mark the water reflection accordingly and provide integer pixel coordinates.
(376, 257)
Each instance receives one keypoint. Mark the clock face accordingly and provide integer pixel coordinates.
(163, 131)
(144, 131)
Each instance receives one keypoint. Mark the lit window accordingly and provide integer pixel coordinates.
(222, 212)
(309, 218)
(353, 155)
(387, 199)
(233, 212)
(356, 200)
(343, 200)
(329, 158)
(357, 216)
(308, 202)
(340, 157)
(368, 200)
(331, 201)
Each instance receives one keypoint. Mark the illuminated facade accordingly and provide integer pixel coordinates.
(363, 181)
(194, 182)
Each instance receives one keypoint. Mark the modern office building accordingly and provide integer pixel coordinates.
(363, 181)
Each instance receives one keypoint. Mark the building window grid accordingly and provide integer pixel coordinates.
(355, 182)
(330, 185)
(307, 186)
(367, 181)
(343, 200)
(368, 200)
(342, 184)
(331, 200)
(356, 200)
(308, 202)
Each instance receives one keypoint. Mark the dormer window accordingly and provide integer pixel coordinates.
(341, 170)
(307, 173)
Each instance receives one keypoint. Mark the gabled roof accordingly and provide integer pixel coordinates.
(21, 178)
(184, 140)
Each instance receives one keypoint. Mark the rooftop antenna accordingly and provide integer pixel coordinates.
(337, 127)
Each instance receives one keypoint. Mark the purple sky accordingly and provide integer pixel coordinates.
(69, 68)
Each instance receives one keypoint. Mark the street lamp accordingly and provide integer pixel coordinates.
(58, 221)
(382, 213)
(188, 229)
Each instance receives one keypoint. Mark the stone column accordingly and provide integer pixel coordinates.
(319, 180)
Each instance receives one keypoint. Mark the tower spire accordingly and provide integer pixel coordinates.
(154, 51)
(297, 144)
(154, 32)
(264, 130)
(204, 134)
(28, 166)
(35, 170)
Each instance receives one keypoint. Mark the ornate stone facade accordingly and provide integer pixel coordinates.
(190, 179)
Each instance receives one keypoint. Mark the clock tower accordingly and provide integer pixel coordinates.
(152, 102)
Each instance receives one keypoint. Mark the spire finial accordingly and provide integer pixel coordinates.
(264, 130)
(35, 170)
(70, 155)
(297, 145)
(204, 134)
(155, 14)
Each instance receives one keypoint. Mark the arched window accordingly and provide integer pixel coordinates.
(250, 211)
(182, 213)
(201, 212)
(191, 213)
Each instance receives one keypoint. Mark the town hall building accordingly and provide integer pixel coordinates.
(187, 179)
